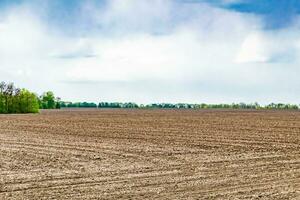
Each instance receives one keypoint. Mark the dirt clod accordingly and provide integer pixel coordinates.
(148, 154)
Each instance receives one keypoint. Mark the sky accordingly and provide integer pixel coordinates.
(193, 51)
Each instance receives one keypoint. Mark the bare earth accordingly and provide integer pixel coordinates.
(147, 154)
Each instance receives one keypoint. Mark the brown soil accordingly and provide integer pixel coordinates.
(147, 154)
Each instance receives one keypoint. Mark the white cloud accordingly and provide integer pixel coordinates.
(151, 51)
(188, 50)
(278, 46)
(132, 15)
(254, 49)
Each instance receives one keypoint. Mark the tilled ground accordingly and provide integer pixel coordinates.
(147, 154)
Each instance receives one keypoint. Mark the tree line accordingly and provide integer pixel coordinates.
(16, 100)
(100, 105)
(77, 105)
(179, 105)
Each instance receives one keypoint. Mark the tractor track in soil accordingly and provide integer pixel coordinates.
(147, 154)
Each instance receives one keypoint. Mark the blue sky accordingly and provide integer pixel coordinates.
(275, 13)
(153, 51)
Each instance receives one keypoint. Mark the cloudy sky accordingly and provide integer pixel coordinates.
(153, 50)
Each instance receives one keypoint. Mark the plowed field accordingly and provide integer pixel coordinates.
(147, 154)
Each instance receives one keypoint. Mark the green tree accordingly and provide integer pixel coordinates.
(15, 100)
(2, 97)
(48, 101)
(28, 102)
